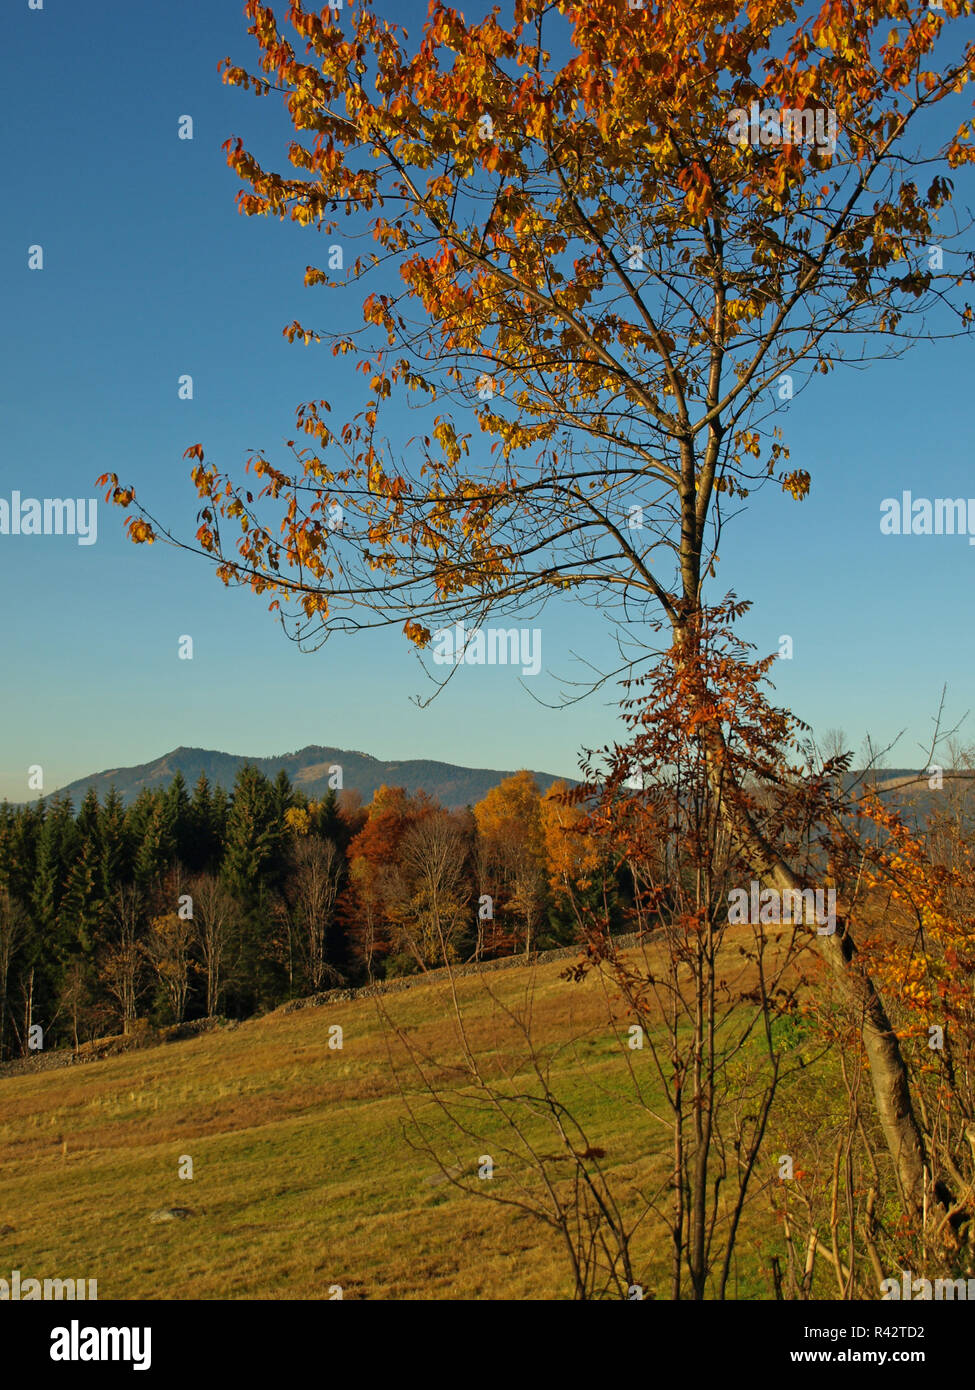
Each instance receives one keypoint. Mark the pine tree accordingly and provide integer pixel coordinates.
(203, 851)
(57, 849)
(253, 833)
(179, 817)
(284, 795)
(88, 816)
(327, 822)
(157, 848)
(115, 846)
(252, 866)
(80, 905)
(21, 852)
(219, 817)
(8, 830)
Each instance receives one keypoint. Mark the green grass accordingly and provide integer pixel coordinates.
(303, 1176)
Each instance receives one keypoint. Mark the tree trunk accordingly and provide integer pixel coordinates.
(888, 1072)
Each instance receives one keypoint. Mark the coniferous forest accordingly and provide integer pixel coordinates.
(196, 903)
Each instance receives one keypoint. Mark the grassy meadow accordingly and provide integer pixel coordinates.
(303, 1173)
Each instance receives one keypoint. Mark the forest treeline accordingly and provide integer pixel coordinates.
(188, 904)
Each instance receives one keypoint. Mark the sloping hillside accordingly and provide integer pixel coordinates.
(304, 1176)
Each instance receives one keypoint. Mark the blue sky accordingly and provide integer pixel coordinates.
(149, 272)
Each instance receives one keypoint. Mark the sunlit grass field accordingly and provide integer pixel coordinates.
(304, 1177)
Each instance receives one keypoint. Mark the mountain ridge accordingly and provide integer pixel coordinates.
(309, 769)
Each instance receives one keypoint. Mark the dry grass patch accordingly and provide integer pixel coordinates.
(302, 1175)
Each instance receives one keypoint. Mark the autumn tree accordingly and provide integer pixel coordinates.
(365, 912)
(613, 275)
(214, 918)
(122, 965)
(914, 907)
(574, 858)
(316, 869)
(75, 999)
(509, 825)
(431, 918)
(169, 949)
(380, 894)
(699, 1016)
(713, 998)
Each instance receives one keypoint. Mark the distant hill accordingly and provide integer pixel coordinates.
(453, 786)
(906, 779)
(308, 770)
(910, 791)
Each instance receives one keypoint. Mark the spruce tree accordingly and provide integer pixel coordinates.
(115, 846)
(179, 817)
(203, 851)
(251, 870)
(156, 850)
(57, 849)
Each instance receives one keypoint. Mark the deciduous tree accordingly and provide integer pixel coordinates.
(610, 281)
